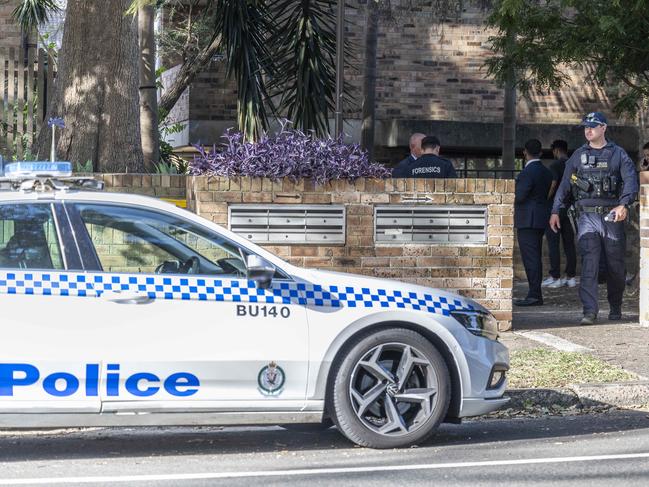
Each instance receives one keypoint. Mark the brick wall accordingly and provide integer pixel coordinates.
(644, 255)
(161, 186)
(9, 31)
(426, 70)
(432, 70)
(483, 272)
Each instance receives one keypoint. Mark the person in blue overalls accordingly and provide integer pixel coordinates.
(603, 181)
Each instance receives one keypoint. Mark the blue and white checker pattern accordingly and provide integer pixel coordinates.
(52, 283)
(364, 297)
(46, 283)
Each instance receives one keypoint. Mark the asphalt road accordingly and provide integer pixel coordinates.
(596, 450)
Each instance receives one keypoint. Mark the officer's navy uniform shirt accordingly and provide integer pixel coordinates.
(426, 166)
(619, 164)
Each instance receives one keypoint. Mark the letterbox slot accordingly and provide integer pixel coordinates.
(293, 224)
(438, 224)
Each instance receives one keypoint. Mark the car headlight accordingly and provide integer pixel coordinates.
(478, 322)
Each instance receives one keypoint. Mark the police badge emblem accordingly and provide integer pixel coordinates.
(271, 379)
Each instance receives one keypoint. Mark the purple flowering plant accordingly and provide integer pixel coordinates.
(288, 153)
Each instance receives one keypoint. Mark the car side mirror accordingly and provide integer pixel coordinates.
(260, 270)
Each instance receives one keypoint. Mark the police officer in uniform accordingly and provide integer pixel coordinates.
(603, 181)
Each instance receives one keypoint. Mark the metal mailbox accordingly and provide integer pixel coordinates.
(289, 224)
(435, 224)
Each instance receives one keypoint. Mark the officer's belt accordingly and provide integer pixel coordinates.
(600, 210)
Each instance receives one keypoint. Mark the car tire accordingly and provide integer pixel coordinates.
(391, 389)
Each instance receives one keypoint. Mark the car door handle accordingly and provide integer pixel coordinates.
(126, 297)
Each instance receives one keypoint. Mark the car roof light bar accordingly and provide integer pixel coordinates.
(43, 176)
(36, 169)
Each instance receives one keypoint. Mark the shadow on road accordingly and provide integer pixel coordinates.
(159, 442)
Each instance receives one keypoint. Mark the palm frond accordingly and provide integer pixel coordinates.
(244, 26)
(306, 51)
(32, 13)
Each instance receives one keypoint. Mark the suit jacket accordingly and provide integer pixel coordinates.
(531, 204)
(399, 170)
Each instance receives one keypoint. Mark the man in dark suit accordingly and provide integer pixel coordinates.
(429, 165)
(415, 153)
(531, 211)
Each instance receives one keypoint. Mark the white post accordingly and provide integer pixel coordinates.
(53, 148)
(644, 255)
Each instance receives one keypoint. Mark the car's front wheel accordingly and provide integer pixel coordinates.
(391, 389)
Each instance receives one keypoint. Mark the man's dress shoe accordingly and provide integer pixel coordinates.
(528, 302)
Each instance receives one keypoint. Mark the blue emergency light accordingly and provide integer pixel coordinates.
(37, 169)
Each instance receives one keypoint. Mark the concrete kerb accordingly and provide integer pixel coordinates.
(620, 394)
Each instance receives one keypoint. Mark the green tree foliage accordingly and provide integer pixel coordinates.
(608, 37)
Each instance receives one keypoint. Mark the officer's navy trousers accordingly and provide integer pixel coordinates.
(597, 236)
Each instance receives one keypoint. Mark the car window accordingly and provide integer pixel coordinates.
(28, 237)
(135, 240)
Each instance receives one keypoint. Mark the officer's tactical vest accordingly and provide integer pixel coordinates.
(604, 184)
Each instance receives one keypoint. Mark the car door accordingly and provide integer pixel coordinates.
(46, 364)
(181, 325)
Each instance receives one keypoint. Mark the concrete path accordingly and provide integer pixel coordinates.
(624, 343)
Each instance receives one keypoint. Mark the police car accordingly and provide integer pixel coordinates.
(123, 310)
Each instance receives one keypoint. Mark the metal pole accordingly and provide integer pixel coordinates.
(340, 55)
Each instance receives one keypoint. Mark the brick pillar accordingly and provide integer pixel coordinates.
(644, 255)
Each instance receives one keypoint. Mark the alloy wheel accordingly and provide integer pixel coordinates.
(393, 389)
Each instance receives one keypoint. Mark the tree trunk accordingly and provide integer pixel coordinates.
(509, 116)
(642, 127)
(185, 76)
(148, 90)
(509, 124)
(96, 90)
(369, 79)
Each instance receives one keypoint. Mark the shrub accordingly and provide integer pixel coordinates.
(288, 153)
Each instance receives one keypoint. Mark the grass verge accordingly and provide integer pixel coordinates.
(544, 368)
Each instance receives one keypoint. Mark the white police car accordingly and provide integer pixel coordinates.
(118, 309)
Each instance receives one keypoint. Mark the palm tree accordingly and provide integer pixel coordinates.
(305, 57)
(247, 32)
(280, 50)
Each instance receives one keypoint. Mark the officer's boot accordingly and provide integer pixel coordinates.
(588, 319)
